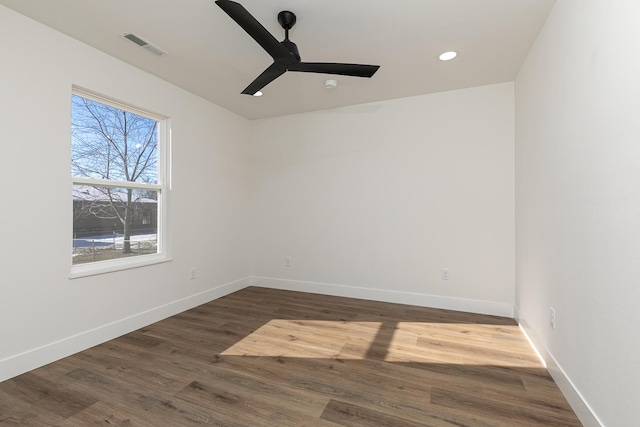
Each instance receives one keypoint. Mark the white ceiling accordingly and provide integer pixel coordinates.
(211, 56)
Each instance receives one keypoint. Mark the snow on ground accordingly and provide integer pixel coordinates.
(110, 239)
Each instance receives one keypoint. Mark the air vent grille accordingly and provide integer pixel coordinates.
(137, 40)
(145, 44)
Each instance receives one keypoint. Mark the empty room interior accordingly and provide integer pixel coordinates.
(431, 207)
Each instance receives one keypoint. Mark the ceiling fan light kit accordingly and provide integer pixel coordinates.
(285, 54)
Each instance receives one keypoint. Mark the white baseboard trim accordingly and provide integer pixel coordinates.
(37, 357)
(410, 298)
(579, 405)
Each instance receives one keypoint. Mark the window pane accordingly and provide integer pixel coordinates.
(111, 143)
(110, 223)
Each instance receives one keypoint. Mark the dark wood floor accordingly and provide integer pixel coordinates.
(262, 357)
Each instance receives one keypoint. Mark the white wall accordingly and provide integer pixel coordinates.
(373, 200)
(44, 314)
(578, 203)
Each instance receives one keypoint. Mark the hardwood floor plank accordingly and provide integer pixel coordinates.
(141, 339)
(251, 402)
(346, 414)
(47, 395)
(504, 413)
(101, 414)
(10, 404)
(34, 417)
(145, 406)
(136, 368)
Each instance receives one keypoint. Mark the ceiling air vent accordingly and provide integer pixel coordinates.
(145, 44)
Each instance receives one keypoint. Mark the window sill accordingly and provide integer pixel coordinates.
(102, 267)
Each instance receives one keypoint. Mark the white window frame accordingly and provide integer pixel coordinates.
(162, 187)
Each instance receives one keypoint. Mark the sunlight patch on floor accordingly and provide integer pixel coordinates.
(402, 342)
(307, 339)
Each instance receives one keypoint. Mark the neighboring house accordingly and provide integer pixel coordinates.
(97, 211)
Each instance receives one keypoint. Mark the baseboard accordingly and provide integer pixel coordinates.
(422, 300)
(568, 389)
(32, 359)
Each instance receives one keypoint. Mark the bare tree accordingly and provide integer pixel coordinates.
(112, 144)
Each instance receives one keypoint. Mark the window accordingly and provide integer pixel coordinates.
(119, 185)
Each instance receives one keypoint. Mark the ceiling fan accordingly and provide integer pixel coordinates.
(285, 53)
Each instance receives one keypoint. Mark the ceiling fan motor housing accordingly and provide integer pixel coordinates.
(291, 47)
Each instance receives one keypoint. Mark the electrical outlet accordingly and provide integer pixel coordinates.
(552, 317)
(287, 261)
(444, 274)
(193, 274)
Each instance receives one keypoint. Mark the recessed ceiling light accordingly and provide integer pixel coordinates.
(447, 56)
(258, 93)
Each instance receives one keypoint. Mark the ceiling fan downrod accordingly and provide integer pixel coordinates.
(287, 20)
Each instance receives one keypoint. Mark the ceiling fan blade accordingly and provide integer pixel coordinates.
(255, 29)
(274, 71)
(357, 70)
